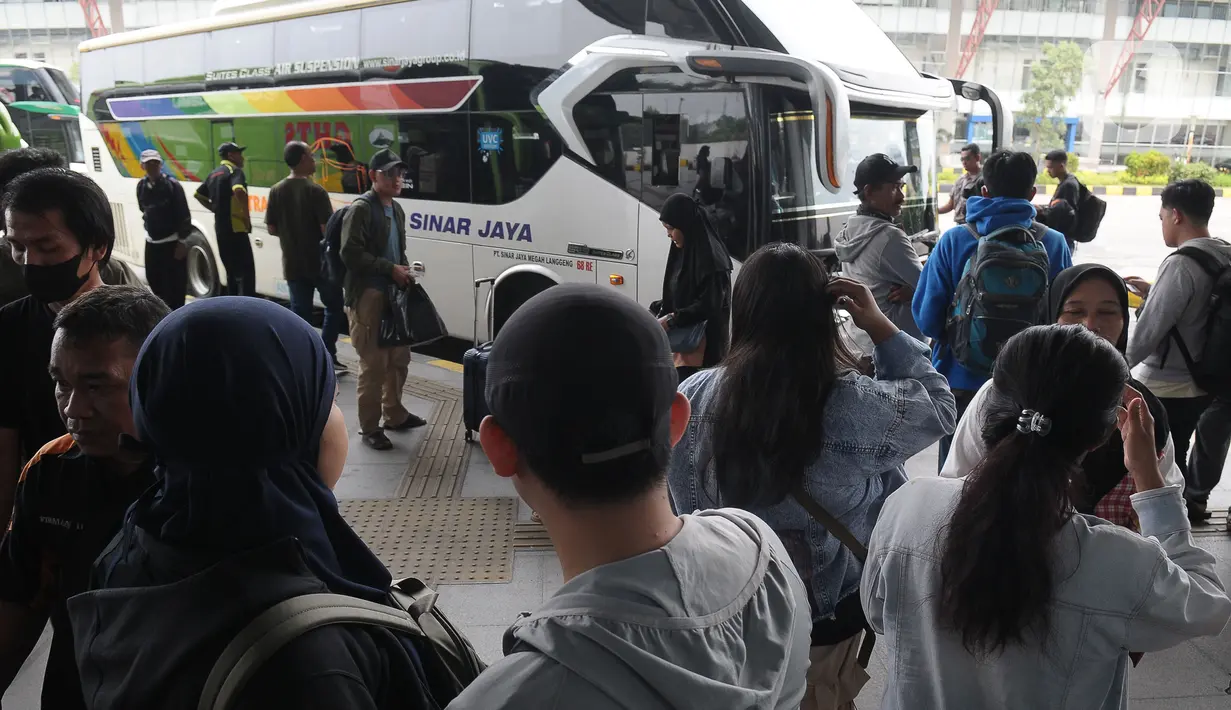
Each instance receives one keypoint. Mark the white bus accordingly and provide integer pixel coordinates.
(539, 133)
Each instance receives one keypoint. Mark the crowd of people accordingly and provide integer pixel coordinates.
(728, 500)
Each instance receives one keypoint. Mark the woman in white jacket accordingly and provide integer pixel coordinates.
(992, 592)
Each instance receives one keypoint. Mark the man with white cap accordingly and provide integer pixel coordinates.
(164, 209)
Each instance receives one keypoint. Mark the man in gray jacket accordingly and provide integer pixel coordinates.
(873, 249)
(1178, 306)
(657, 610)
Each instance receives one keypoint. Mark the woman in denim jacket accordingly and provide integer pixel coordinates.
(993, 592)
(788, 409)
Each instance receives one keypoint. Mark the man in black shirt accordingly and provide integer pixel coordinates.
(225, 193)
(1061, 213)
(58, 223)
(297, 213)
(164, 210)
(73, 494)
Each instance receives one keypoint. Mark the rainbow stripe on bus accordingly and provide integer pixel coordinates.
(410, 95)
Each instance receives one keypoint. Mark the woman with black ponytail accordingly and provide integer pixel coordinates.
(993, 592)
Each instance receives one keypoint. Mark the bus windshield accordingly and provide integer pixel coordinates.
(795, 185)
(45, 124)
(837, 32)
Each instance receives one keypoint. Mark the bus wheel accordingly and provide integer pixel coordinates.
(202, 268)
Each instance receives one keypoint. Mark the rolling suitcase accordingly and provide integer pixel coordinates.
(474, 374)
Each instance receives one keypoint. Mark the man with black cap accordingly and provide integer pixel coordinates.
(225, 193)
(374, 252)
(873, 249)
(657, 610)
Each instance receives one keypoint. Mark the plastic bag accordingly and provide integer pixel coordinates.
(410, 318)
(422, 321)
(393, 325)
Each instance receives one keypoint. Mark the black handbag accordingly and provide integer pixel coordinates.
(686, 339)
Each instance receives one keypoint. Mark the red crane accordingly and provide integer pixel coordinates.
(93, 18)
(1146, 14)
(983, 15)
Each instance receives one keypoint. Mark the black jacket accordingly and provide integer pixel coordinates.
(163, 207)
(149, 640)
(365, 238)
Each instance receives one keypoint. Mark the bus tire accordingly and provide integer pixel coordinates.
(203, 281)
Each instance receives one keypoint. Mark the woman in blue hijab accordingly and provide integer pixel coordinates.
(233, 397)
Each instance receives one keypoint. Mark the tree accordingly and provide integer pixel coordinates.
(1054, 80)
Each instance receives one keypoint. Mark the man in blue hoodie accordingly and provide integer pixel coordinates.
(1008, 188)
(658, 610)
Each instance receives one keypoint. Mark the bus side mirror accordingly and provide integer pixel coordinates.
(833, 120)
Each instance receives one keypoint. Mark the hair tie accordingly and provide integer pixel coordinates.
(1032, 422)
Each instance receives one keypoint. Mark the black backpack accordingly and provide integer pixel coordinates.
(1209, 369)
(447, 657)
(1090, 211)
(332, 268)
(1002, 291)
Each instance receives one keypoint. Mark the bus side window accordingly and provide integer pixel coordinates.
(436, 150)
(511, 151)
(611, 126)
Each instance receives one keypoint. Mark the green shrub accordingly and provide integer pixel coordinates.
(1074, 163)
(1130, 179)
(1194, 171)
(1148, 164)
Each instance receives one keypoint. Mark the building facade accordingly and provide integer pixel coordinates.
(1174, 94)
(50, 31)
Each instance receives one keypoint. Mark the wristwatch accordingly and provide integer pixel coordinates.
(670, 320)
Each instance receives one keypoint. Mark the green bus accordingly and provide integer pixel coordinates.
(40, 108)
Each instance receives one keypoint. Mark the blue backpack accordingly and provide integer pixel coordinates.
(332, 268)
(1003, 291)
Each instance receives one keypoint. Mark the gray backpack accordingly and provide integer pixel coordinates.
(449, 660)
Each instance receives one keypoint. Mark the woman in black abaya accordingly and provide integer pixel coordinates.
(697, 284)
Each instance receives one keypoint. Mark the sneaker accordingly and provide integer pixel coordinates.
(410, 422)
(377, 440)
(339, 368)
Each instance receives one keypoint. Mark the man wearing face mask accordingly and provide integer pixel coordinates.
(14, 164)
(59, 226)
(72, 495)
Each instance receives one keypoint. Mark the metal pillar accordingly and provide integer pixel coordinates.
(953, 43)
(117, 15)
(1103, 56)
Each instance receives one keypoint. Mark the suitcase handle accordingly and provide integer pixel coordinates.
(477, 284)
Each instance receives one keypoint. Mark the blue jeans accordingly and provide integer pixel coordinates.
(331, 296)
